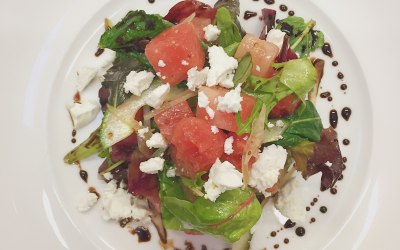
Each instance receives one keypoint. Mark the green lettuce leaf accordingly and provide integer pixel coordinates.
(243, 70)
(229, 217)
(136, 25)
(296, 76)
(196, 184)
(229, 31)
(303, 38)
(89, 147)
(304, 125)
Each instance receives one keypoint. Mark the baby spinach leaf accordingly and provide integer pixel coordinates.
(229, 31)
(230, 216)
(304, 125)
(303, 38)
(243, 70)
(136, 25)
(196, 184)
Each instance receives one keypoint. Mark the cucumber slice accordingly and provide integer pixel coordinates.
(116, 124)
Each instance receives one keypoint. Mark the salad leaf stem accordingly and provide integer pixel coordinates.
(90, 146)
(308, 28)
(113, 166)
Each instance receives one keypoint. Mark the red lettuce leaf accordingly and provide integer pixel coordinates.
(185, 8)
(269, 21)
(326, 150)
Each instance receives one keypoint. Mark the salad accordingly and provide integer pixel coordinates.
(203, 122)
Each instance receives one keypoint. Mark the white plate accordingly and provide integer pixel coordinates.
(43, 44)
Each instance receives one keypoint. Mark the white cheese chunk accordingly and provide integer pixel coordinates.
(258, 68)
(152, 165)
(196, 78)
(290, 201)
(156, 141)
(137, 82)
(328, 163)
(266, 170)
(83, 113)
(161, 63)
(210, 112)
(142, 132)
(85, 75)
(280, 123)
(222, 67)
(106, 59)
(118, 204)
(276, 37)
(228, 145)
(211, 32)
(270, 125)
(214, 129)
(184, 63)
(171, 172)
(86, 202)
(108, 176)
(158, 96)
(230, 102)
(202, 100)
(223, 176)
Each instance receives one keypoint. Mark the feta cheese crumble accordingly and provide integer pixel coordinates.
(108, 176)
(258, 69)
(210, 112)
(83, 113)
(276, 37)
(328, 164)
(211, 32)
(202, 100)
(152, 165)
(270, 125)
(222, 68)
(106, 59)
(290, 201)
(266, 170)
(118, 204)
(184, 63)
(156, 141)
(85, 75)
(280, 123)
(158, 96)
(137, 82)
(171, 172)
(223, 176)
(214, 129)
(228, 145)
(196, 78)
(161, 64)
(230, 102)
(86, 202)
(142, 132)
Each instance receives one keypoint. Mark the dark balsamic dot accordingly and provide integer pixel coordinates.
(335, 63)
(346, 113)
(312, 204)
(340, 75)
(283, 7)
(273, 234)
(84, 175)
(73, 140)
(343, 167)
(312, 220)
(276, 246)
(308, 208)
(323, 209)
(315, 200)
(330, 99)
(346, 142)
(269, 1)
(286, 240)
(291, 13)
(300, 231)
(343, 86)
(289, 224)
(340, 177)
(99, 52)
(73, 132)
(333, 191)
(344, 159)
